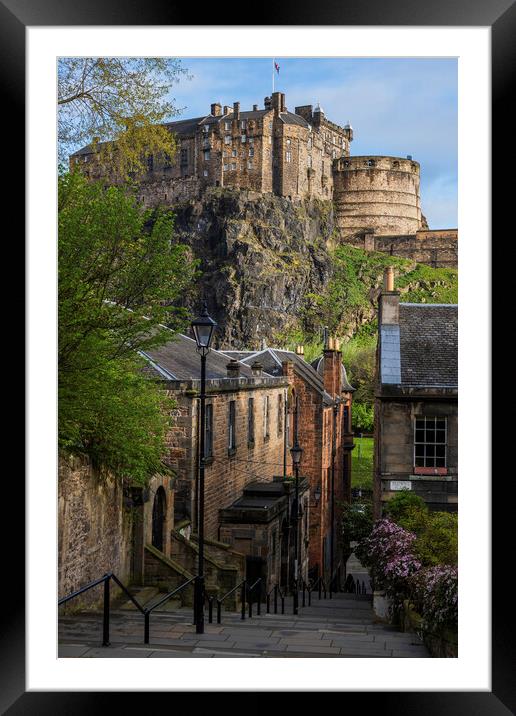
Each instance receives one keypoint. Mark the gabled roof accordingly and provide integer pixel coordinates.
(429, 344)
(422, 350)
(178, 360)
(291, 118)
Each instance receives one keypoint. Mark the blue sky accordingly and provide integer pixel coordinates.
(397, 106)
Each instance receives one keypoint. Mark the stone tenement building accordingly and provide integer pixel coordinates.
(416, 397)
(298, 155)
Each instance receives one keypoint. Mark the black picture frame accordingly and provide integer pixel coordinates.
(500, 15)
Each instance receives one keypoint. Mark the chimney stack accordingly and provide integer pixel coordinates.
(255, 108)
(233, 368)
(227, 110)
(389, 308)
(332, 367)
(256, 369)
(236, 110)
(216, 109)
(267, 103)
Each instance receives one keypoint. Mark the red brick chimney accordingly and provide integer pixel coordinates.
(332, 367)
(288, 370)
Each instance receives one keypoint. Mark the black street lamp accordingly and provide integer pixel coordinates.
(333, 455)
(202, 328)
(296, 453)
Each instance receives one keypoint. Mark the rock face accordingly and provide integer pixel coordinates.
(259, 256)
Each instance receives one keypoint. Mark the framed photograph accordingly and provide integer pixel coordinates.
(460, 57)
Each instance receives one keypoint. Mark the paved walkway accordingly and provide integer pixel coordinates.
(340, 627)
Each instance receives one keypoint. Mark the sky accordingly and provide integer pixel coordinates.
(396, 106)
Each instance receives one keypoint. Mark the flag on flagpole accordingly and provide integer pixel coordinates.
(276, 67)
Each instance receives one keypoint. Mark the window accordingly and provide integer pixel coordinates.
(233, 152)
(227, 126)
(270, 125)
(208, 431)
(231, 426)
(251, 151)
(251, 140)
(206, 155)
(288, 156)
(430, 435)
(242, 124)
(205, 129)
(288, 142)
(250, 421)
(309, 161)
(249, 165)
(270, 140)
(347, 426)
(226, 167)
(266, 416)
(243, 138)
(205, 173)
(232, 166)
(309, 142)
(227, 139)
(280, 414)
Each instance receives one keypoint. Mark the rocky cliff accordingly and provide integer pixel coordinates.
(259, 257)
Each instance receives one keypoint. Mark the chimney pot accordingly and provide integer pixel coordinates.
(300, 350)
(388, 279)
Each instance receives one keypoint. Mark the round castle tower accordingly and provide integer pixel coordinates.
(376, 193)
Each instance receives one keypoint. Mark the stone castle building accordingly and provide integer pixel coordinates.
(297, 155)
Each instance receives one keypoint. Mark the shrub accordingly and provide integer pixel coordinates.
(388, 554)
(434, 592)
(362, 417)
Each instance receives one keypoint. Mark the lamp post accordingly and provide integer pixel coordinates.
(333, 455)
(202, 328)
(296, 453)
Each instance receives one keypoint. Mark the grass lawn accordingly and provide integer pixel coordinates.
(362, 463)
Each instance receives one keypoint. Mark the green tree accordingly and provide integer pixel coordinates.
(437, 532)
(120, 274)
(118, 105)
(356, 524)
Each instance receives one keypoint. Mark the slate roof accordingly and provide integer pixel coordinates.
(428, 345)
(272, 358)
(290, 118)
(178, 360)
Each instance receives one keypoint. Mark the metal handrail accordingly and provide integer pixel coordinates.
(277, 590)
(148, 611)
(242, 584)
(106, 608)
(249, 590)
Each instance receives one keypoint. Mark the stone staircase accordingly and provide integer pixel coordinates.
(339, 627)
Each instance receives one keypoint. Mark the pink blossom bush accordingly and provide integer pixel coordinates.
(434, 592)
(387, 553)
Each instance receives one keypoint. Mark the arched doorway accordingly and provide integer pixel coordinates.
(159, 511)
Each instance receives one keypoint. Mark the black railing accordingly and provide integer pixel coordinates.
(107, 603)
(243, 586)
(276, 590)
(148, 612)
(258, 586)
(107, 599)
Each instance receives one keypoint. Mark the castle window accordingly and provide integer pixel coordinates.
(251, 151)
(270, 140)
(288, 142)
(251, 140)
(205, 129)
(206, 155)
(242, 124)
(250, 421)
(233, 167)
(233, 152)
(395, 165)
(270, 125)
(334, 154)
(280, 414)
(288, 156)
(226, 167)
(205, 173)
(309, 161)
(227, 126)
(227, 139)
(309, 143)
(243, 138)
(370, 162)
(249, 165)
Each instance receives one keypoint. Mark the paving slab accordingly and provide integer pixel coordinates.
(309, 649)
(71, 650)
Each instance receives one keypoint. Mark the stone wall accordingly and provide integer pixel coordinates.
(94, 530)
(379, 194)
(437, 248)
